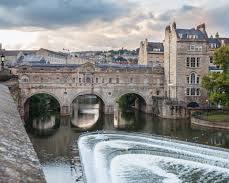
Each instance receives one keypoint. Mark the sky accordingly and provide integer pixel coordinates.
(79, 25)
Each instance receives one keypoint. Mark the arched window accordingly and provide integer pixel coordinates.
(25, 79)
(193, 78)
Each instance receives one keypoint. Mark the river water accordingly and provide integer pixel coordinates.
(55, 138)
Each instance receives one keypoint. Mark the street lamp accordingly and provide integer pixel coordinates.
(2, 61)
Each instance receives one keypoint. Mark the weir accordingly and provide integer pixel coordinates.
(124, 157)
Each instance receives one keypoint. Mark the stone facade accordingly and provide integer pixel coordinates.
(151, 53)
(107, 82)
(186, 62)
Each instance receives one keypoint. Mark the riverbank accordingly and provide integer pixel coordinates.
(216, 119)
(18, 160)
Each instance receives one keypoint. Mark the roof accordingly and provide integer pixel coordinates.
(186, 32)
(225, 40)
(155, 46)
(54, 52)
(214, 40)
(33, 58)
(16, 52)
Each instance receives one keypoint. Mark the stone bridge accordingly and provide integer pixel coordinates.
(108, 82)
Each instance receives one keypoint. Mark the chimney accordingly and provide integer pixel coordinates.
(201, 27)
(174, 25)
(217, 35)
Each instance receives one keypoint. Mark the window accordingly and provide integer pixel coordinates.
(96, 80)
(187, 79)
(211, 59)
(193, 78)
(131, 80)
(197, 80)
(188, 91)
(198, 62)
(181, 35)
(88, 80)
(117, 80)
(188, 62)
(193, 62)
(197, 91)
(193, 91)
(195, 48)
(103, 80)
(80, 80)
(158, 92)
(110, 80)
(198, 48)
(192, 48)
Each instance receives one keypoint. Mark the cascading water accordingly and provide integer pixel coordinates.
(134, 158)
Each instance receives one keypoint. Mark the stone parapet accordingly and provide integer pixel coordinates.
(18, 160)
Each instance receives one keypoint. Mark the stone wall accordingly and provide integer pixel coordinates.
(204, 123)
(18, 160)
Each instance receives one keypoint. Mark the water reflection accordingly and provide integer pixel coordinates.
(85, 116)
(54, 138)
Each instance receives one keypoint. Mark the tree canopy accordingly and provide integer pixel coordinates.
(217, 84)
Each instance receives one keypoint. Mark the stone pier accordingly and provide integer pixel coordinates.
(18, 160)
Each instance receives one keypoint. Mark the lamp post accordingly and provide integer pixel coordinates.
(2, 62)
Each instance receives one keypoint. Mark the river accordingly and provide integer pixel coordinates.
(55, 138)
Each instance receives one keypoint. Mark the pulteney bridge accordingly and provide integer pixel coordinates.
(108, 82)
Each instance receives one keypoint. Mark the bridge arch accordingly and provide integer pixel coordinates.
(131, 92)
(87, 93)
(140, 102)
(41, 92)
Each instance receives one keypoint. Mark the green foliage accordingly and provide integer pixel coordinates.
(41, 103)
(221, 58)
(127, 101)
(217, 84)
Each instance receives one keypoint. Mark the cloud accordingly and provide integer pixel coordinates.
(59, 13)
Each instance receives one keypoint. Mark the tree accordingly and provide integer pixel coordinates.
(217, 84)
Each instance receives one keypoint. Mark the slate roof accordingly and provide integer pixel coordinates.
(214, 41)
(186, 32)
(155, 45)
(16, 52)
(126, 66)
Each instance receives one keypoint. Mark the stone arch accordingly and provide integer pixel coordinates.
(41, 92)
(131, 92)
(88, 93)
(24, 104)
(193, 104)
(141, 103)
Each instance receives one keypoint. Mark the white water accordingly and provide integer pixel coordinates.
(130, 158)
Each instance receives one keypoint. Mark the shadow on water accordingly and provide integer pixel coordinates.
(55, 138)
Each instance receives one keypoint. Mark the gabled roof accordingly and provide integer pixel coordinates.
(153, 46)
(186, 32)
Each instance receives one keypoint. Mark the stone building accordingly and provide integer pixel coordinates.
(53, 57)
(151, 53)
(186, 61)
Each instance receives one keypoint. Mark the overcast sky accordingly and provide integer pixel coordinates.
(102, 24)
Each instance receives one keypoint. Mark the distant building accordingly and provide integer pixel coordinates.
(53, 57)
(151, 53)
